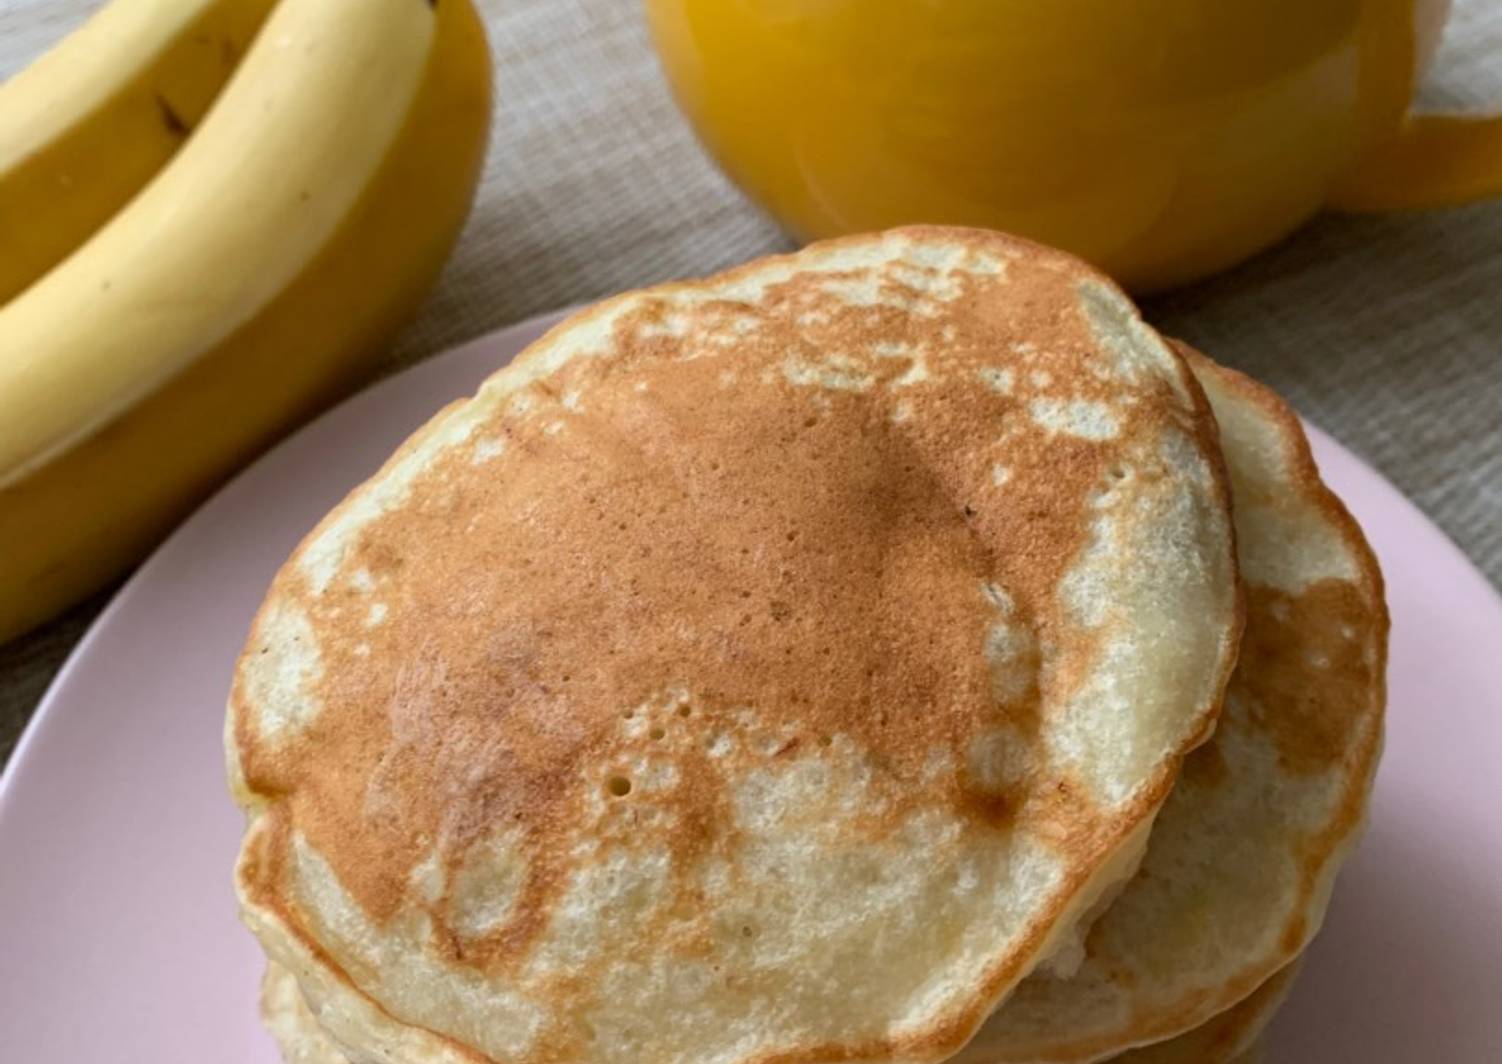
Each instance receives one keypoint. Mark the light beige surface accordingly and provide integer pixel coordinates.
(795, 653)
(1386, 331)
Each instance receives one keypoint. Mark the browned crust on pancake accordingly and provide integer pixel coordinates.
(1223, 1038)
(941, 1038)
(1220, 1040)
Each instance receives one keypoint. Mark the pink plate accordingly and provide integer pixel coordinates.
(118, 937)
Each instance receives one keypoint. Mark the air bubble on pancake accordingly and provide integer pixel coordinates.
(1023, 347)
(1040, 378)
(720, 745)
(487, 885)
(362, 581)
(1000, 474)
(654, 775)
(280, 681)
(1106, 493)
(486, 449)
(1084, 418)
(902, 411)
(999, 379)
(570, 400)
(639, 387)
(376, 615)
(836, 372)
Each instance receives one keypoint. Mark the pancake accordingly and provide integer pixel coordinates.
(1232, 1037)
(291, 1023)
(766, 668)
(1242, 858)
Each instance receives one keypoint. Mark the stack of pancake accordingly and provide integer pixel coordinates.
(891, 652)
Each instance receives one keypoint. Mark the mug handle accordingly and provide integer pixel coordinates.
(1435, 160)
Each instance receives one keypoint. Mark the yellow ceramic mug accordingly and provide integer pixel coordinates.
(1163, 139)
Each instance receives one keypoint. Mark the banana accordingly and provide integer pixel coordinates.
(88, 124)
(248, 284)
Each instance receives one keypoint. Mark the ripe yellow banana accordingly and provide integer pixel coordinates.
(88, 124)
(246, 285)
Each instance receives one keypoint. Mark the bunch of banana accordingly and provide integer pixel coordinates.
(196, 256)
(90, 122)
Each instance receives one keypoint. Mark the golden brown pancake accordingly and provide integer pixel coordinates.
(1228, 1038)
(1242, 858)
(765, 668)
(295, 1028)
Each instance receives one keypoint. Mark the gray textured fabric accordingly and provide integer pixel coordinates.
(1386, 331)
